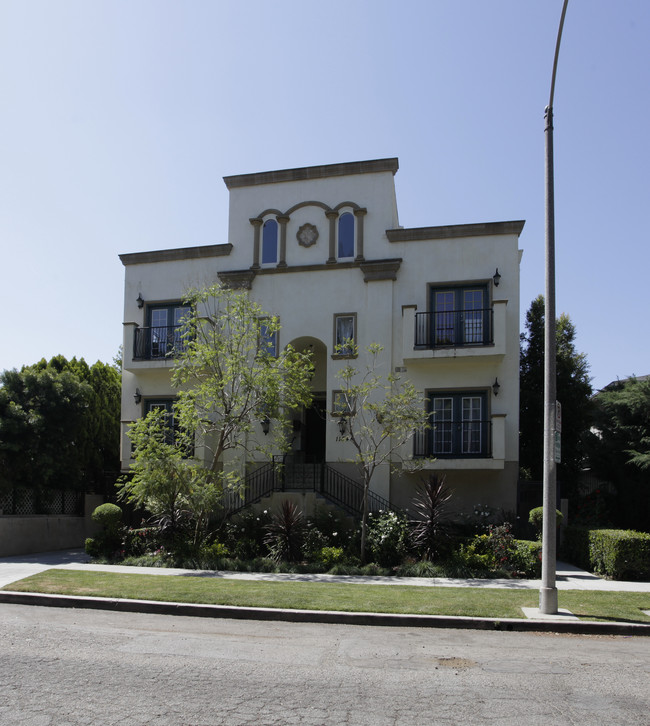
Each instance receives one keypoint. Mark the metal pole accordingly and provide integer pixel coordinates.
(548, 590)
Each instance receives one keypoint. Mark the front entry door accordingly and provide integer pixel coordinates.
(315, 432)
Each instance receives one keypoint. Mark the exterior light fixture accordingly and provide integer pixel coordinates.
(140, 300)
(343, 425)
(137, 396)
(497, 278)
(266, 425)
(496, 386)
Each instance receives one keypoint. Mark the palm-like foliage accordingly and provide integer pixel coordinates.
(286, 533)
(430, 531)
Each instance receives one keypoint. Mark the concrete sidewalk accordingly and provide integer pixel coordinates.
(568, 577)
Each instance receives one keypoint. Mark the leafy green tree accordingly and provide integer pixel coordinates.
(381, 414)
(573, 392)
(229, 377)
(619, 450)
(99, 448)
(59, 424)
(42, 428)
(180, 493)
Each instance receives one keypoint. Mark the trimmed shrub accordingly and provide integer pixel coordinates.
(620, 554)
(108, 542)
(536, 518)
(108, 516)
(616, 553)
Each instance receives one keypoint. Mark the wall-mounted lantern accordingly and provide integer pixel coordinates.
(496, 386)
(496, 278)
(137, 397)
(343, 425)
(140, 300)
(265, 423)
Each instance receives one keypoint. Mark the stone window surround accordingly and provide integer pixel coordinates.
(283, 218)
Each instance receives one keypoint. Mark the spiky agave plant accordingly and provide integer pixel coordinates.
(430, 531)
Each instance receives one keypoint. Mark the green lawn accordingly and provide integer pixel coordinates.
(474, 602)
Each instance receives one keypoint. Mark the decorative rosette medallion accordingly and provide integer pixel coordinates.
(307, 235)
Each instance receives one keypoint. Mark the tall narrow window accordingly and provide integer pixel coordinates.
(345, 334)
(270, 242)
(346, 236)
(268, 339)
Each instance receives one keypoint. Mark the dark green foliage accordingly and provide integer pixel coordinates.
(387, 541)
(616, 553)
(244, 534)
(620, 450)
(536, 518)
(594, 510)
(430, 532)
(525, 559)
(286, 533)
(59, 425)
(573, 392)
(141, 541)
(108, 516)
(107, 543)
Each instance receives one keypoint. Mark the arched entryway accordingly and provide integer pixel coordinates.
(310, 424)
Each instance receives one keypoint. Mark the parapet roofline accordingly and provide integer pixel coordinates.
(179, 253)
(312, 172)
(451, 231)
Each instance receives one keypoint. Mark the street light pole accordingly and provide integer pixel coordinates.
(548, 590)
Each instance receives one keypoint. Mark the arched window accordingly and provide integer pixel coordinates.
(346, 235)
(270, 242)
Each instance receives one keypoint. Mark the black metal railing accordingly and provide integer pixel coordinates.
(454, 328)
(154, 343)
(283, 476)
(454, 440)
(259, 483)
(348, 494)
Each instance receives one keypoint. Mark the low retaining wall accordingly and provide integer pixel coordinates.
(27, 534)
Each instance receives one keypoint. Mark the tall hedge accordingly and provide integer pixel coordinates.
(617, 553)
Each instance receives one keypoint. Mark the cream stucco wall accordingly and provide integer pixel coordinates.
(308, 292)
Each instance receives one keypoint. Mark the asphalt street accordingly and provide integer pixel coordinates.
(68, 667)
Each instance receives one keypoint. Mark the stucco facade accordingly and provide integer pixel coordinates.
(322, 248)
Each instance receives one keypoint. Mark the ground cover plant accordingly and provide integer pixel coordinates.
(453, 601)
(283, 540)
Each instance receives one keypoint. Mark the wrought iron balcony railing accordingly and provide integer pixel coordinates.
(454, 328)
(159, 342)
(454, 440)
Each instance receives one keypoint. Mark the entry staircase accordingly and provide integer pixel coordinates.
(321, 478)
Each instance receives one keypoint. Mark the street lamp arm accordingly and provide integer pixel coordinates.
(557, 55)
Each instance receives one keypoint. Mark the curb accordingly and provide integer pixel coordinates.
(324, 616)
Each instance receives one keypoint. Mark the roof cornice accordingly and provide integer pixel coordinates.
(452, 231)
(312, 172)
(180, 253)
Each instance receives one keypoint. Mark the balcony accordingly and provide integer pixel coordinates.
(159, 343)
(462, 445)
(454, 333)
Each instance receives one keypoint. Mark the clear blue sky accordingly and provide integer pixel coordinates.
(119, 118)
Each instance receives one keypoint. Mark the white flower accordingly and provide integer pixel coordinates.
(334, 534)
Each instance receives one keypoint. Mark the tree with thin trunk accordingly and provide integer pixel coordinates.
(229, 376)
(380, 414)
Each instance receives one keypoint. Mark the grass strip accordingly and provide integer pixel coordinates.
(465, 601)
